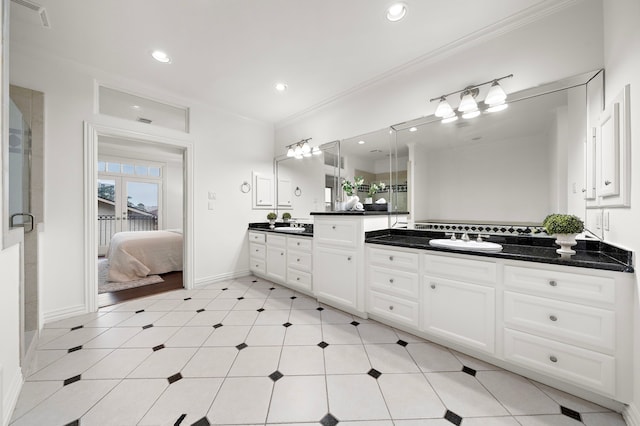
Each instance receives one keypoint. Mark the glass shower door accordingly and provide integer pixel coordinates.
(19, 171)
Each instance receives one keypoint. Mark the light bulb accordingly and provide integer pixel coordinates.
(413, 129)
(306, 148)
(316, 151)
(444, 109)
(467, 103)
(496, 95)
(450, 119)
(161, 56)
(297, 151)
(290, 152)
(471, 114)
(396, 12)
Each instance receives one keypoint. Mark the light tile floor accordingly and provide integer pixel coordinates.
(250, 352)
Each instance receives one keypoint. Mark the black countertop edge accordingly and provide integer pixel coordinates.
(357, 213)
(264, 226)
(592, 254)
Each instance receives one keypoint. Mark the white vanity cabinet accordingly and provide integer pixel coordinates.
(276, 257)
(257, 252)
(299, 263)
(568, 324)
(459, 300)
(393, 285)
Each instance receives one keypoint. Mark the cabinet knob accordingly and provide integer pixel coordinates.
(391, 258)
(433, 286)
(349, 258)
(257, 250)
(256, 266)
(607, 182)
(297, 278)
(333, 227)
(297, 260)
(282, 254)
(298, 243)
(553, 318)
(260, 201)
(391, 308)
(584, 189)
(552, 358)
(553, 283)
(391, 280)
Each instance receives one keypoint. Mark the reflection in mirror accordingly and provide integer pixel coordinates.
(309, 184)
(509, 167)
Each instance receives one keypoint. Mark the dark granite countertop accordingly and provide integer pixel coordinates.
(592, 254)
(264, 226)
(357, 213)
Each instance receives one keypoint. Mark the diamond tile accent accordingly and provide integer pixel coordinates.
(320, 308)
(374, 373)
(402, 343)
(144, 327)
(140, 311)
(241, 298)
(293, 297)
(453, 418)
(241, 346)
(200, 310)
(75, 348)
(180, 419)
(328, 420)
(71, 380)
(272, 288)
(202, 422)
(187, 298)
(571, 413)
(355, 323)
(260, 310)
(217, 325)
(74, 423)
(276, 375)
(157, 348)
(323, 344)
(254, 281)
(468, 370)
(77, 327)
(174, 378)
(287, 324)
(225, 289)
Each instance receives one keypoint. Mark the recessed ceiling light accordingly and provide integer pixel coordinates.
(281, 87)
(413, 129)
(161, 56)
(361, 142)
(396, 12)
(135, 106)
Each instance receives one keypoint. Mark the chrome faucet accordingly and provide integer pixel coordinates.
(481, 236)
(465, 237)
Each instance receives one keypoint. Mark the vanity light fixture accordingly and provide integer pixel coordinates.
(396, 12)
(468, 108)
(161, 56)
(316, 151)
(301, 149)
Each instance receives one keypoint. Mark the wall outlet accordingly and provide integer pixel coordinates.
(212, 195)
(212, 205)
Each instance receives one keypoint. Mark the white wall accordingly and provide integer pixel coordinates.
(555, 47)
(622, 66)
(226, 147)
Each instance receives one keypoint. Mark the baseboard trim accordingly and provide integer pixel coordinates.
(631, 415)
(64, 313)
(201, 282)
(11, 398)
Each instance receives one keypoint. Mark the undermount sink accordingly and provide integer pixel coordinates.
(466, 245)
(290, 229)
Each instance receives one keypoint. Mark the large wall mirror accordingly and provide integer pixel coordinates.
(509, 167)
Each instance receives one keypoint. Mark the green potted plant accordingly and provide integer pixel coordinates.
(286, 216)
(564, 227)
(271, 217)
(351, 189)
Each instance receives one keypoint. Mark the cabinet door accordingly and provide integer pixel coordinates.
(277, 263)
(610, 151)
(262, 190)
(284, 193)
(460, 312)
(335, 275)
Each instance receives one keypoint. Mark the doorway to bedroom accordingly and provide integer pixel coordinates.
(140, 192)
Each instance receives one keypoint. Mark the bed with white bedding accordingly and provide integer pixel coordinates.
(134, 255)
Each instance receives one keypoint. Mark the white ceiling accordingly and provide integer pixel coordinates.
(230, 53)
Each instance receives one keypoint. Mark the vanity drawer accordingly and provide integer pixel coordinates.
(394, 259)
(277, 240)
(395, 282)
(394, 308)
(299, 243)
(257, 265)
(257, 237)
(580, 366)
(475, 271)
(568, 322)
(257, 251)
(560, 285)
(299, 260)
(299, 279)
(336, 233)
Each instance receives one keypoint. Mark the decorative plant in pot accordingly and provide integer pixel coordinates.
(564, 227)
(271, 216)
(286, 216)
(351, 189)
(374, 188)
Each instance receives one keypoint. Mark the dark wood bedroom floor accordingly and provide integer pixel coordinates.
(172, 281)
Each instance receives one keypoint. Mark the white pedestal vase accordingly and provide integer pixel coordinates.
(272, 223)
(566, 241)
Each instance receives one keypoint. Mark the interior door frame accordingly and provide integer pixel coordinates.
(91, 134)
